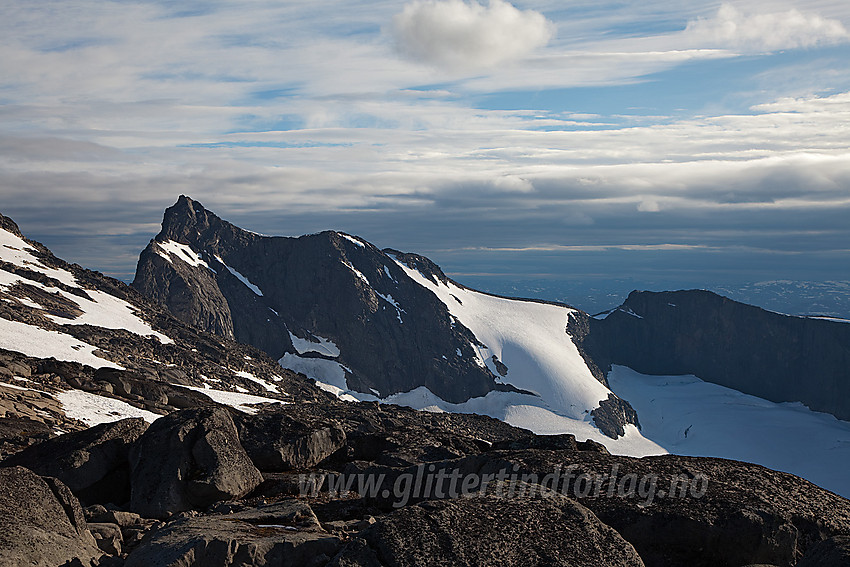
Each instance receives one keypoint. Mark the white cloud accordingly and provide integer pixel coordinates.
(461, 35)
(791, 29)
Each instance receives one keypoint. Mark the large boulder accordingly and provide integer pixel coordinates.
(833, 552)
(286, 534)
(490, 530)
(277, 442)
(700, 512)
(93, 463)
(189, 460)
(41, 523)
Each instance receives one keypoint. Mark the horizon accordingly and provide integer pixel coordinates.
(569, 151)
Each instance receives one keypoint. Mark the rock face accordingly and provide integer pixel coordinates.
(189, 459)
(41, 523)
(777, 357)
(93, 463)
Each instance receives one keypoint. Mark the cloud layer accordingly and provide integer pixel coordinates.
(629, 130)
(464, 35)
(765, 31)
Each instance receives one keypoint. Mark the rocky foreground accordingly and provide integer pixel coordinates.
(213, 486)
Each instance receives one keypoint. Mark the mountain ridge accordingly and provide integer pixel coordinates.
(729, 343)
(390, 332)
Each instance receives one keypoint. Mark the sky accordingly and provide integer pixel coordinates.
(664, 143)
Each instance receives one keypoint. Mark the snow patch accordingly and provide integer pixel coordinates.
(102, 310)
(389, 299)
(17, 251)
(183, 252)
(532, 413)
(328, 374)
(41, 343)
(357, 272)
(241, 278)
(326, 371)
(260, 381)
(389, 275)
(240, 401)
(324, 347)
(833, 319)
(92, 409)
(109, 312)
(352, 239)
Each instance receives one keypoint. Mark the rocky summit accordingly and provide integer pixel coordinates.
(142, 434)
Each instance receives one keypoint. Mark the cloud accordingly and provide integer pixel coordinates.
(792, 29)
(460, 35)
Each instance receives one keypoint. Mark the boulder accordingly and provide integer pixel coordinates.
(108, 537)
(833, 552)
(93, 463)
(283, 534)
(695, 511)
(41, 523)
(277, 442)
(490, 530)
(188, 460)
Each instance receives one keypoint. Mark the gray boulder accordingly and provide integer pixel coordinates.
(108, 537)
(41, 523)
(283, 534)
(490, 530)
(277, 442)
(93, 463)
(189, 460)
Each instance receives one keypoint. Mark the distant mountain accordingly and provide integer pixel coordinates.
(778, 357)
(595, 294)
(379, 323)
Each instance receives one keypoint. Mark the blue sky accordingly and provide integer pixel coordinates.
(681, 140)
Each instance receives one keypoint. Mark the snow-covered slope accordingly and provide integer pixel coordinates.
(525, 344)
(687, 416)
(85, 307)
(530, 340)
(55, 317)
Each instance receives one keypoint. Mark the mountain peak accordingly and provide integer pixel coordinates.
(185, 219)
(9, 225)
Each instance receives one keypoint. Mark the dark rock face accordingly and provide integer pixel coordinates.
(41, 523)
(777, 357)
(489, 530)
(189, 459)
(277, 442)
(320, 285)
(93, 463)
